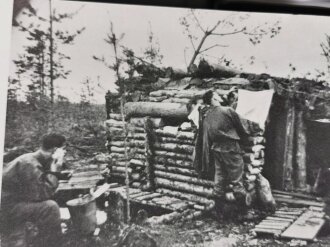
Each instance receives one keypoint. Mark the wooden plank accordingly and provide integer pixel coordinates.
(306, 227)
(297, 213)
(274, 223)
(295, 194)
(286, 216)
(279, 219)
(273, 227)
(299, 201)
(148, 197)
(267, 231)
(139, 194)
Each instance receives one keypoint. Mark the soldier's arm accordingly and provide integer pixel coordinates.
(40, 185)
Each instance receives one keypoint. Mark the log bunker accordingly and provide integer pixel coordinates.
(288, 153)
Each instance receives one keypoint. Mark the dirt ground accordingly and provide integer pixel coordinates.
(203, 231)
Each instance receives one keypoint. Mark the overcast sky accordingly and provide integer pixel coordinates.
(298, 42)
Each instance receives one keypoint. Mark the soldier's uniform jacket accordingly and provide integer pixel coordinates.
(27, 179)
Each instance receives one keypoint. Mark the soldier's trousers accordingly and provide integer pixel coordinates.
(45, 215)
(228, 177)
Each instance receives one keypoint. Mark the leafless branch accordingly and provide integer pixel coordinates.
(230, 33)
(197, 21)
(209, 48)
(212, 29)
(192, 42)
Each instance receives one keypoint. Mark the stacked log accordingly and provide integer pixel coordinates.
(139, 144)
(173, 166)
(254, 160)
(176, 95)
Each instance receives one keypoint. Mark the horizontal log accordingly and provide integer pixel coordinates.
(115, 131)
(118, 143)
(165, 218)
(121, 169)
(138, 150)
(180, 186)
(182, 148)
(115, 116)
(156, 109)
(142, 193)
(173, 155)
(184, 135)
(114, 149)
(177, 100)
(148, 197)
(136, 162)
(118, 175)
(137, 136)
(176, 170)
(139, 156)
(296, 201)
(119, 163)
(185, 196)
(114, 123)
(160, 93)
(163, 139)
(137, 143)
(157, 99)
(173, 162)
(183, 178)
(136, 176)
(136, 185)
(133, 129)
(190, 93)
(193, 215)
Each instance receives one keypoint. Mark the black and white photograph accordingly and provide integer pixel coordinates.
(148, 126)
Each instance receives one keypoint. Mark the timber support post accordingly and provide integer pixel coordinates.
(300, 155)
(289, 146)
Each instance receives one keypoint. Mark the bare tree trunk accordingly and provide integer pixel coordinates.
(197, 51)
(51, 53)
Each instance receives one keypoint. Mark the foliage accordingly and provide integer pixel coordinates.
(233, 24)
(128, 65)
(83, 126)
(42, 61)
(325, 46)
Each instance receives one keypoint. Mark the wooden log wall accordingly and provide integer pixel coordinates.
(139, 149)
(161, 157)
